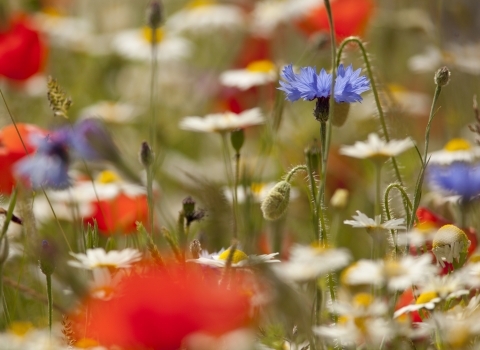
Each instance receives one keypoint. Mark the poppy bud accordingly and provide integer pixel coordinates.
(275, 203)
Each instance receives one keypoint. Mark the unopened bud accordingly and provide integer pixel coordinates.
(275, 203)
(442, 76)
(47, 258)
(188, 206)
(195, 248)
(312, 153)
(237, 138)
(450, 243)
(154, 14)
(146, 154)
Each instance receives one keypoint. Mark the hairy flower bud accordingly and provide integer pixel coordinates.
(442, 76)
(275, 203)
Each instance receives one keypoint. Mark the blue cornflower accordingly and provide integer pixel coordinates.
(309, 85)
(49, 165)
(458, 178)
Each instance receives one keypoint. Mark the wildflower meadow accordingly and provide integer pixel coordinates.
(239, 174)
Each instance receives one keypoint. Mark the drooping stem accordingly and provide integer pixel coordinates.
(381, 115)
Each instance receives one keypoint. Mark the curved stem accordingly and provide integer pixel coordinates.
(374, 90)
(294, 170)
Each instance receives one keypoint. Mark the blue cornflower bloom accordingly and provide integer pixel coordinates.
(458, 178)
(49, 165)
(309, 86)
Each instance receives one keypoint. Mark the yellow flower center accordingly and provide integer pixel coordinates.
(148, 34)
(20, 328)
(107, 177)
(449, 234)
(457, 145)
(394, 269)
(257, 187)
(238, 256)
(86, 343)
(475, 258)
(199, 3)
(262, 66)
(51, 11)
(426, 297)
(363, 299)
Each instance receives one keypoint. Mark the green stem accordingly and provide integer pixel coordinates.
(375, 93)
(313, 202)
(418, 187)
(321, 192)
(153, 120)
(230, 176)
(50, 302)
(378, 185)
(235, 188)
(294, 170)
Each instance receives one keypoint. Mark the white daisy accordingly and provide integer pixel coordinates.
(267, 15)
(362, 220)
(98, 258)
(223, 122)
(110, 111)
(394, 274)
(201, 16)
(256, 73)
(63, 31)
(308, 263)
(456, 150)
(136, 44)
(374, 147)
(240, 259)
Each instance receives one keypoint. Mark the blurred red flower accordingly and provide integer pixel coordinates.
(21, 49)
(350, 17)
(120, 213)
(157, 310)
(12, 149)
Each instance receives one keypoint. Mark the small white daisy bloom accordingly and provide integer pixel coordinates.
(223, 122)
(308, 263)
(456, 150)
(363, 221)
(256, 73)
(267, 15)
(110, 111)
(97, 258)
(136, 44)
(203, 16)
(64, 31)
(444, 287)
(375, 147)
(394, 274)
(240, 259)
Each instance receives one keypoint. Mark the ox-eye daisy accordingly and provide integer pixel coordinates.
(394, 274)
(110, 111)
(376, 148)
(309, 262)
(456, 150)
(240, 259)
(201, 16)
(223, 122)
(256, 73)
(136, 44)
(98, 258)
(362, 220)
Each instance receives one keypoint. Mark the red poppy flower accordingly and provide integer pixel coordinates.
(21, 50)
(350, 17)
(116, 205)
(157, 310)
(120, 213)
(12, 149)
